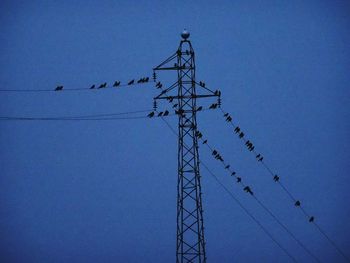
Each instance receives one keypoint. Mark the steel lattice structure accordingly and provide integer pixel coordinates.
(190, 245)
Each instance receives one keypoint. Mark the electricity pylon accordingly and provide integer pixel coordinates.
(190, 245)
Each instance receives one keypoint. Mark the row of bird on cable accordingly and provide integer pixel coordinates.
(166, 112)
(218, 157)
(258, 156)
(247, 189)
(115, 84)
(240, 134)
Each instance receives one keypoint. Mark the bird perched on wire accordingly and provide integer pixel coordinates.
(104, 85)
(116, 84)
(58, 88)
(213, 106)
(131, 82)
(248, 190)
(151, 114)
(92, 87)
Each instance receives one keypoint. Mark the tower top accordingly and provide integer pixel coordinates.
(185, 34)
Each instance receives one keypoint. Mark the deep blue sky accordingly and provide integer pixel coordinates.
(94, 191)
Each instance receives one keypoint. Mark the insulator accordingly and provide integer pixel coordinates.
(154, 105)
(219, 101)
(154, 76)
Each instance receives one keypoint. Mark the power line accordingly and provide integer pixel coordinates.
(249, 190)
(276, 178)
(98, 117)
(73, 89)
(199, 135)
(238, 202)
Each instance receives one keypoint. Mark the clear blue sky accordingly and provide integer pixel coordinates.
(95, 191)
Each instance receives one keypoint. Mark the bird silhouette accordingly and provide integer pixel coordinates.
(103, 85)
(92, 87)
(239, 179)
(213, 106)
(199, 108)
(131, 82)
(116, 84)
(276, 178)
(241, 135)
(58, 88)
(166, 113)
(205, 141)
(160, 114)
(233, 173)
(297, 203)
(248, 190)
(175, 105)
(312, 219)
(151, 114)
(237, 129)
(227, 167)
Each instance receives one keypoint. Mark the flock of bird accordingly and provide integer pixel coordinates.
(116, 84)
(237, 130)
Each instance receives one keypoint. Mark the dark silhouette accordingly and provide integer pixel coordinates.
(297, 203)
(248, 190)
(227, 167)
(205, 141)
(312, 219)
(199, 108)
(237, 129)
(104, 85)
(213, 106)
(58, 88)
(92, 87)
(160, 114)
(151, 114)
(217, 93)
(239, 179)
(276, 178)
(116, 84)
(131, 82)
(166, 113)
